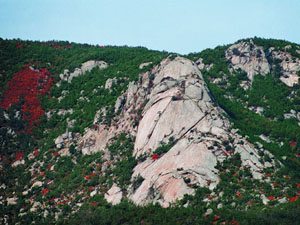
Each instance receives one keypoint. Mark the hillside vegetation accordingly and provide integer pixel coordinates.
(47, 178)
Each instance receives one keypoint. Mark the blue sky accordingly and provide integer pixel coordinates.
(172, 25)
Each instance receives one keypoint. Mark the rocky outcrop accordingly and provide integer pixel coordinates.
(290, 66)
(249, 58)
(12, 201)
(203, 66)
(18, 162)
(64, 140)
(114, 195)
(85, 67)
(144, 65)
(109, 82)
(172, 102)
(180, 107)
(172, 176)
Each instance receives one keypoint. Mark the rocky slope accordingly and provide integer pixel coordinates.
(211, 137)
(172, 102)
(252, 59)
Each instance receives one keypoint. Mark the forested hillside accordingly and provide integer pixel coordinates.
(82, 124)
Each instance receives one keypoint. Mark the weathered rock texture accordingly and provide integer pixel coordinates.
(172, 102)
(114, 195)
(252, 59)
(290, 67)
(85, 67)
(249, 58)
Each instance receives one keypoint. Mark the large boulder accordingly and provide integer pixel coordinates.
(114, 195)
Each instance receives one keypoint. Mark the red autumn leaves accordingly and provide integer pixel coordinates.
(87, 177)
(239, 194)
(19, 156)
(30, 84)
(45, 191)
(155, 157)
(292, 199)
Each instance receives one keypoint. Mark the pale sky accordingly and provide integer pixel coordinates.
(172, 25)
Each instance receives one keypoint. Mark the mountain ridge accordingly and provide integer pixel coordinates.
(133, 124)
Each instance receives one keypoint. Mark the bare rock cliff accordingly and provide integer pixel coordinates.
(172, 103)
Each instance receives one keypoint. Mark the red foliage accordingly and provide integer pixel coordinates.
(239, 194)
(55, 154)
(94, 204)
(57, 46)
(52, 199)
(31, 84)
(19, 156)
(271, 198)
(292, 199)
(293, 143)
(155, 157)
(63, 202)
(45, 191)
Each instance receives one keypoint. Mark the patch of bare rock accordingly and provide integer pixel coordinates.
(85, 67)
(248, 57)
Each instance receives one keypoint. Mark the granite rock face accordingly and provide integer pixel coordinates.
(172, 102)
(114, 195)
(290, 67)
(248, 57)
